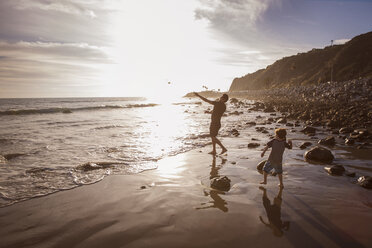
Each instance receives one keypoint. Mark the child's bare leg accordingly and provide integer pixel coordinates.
(265, 178)
(280, 176)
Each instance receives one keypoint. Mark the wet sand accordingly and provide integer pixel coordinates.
(177, 208)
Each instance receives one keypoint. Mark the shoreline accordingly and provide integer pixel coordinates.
(174, 205)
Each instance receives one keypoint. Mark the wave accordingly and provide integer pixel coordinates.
(70, 110)
(89, 166)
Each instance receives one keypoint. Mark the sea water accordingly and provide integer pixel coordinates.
(48, 145)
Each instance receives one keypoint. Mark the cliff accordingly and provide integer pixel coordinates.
(350, 61)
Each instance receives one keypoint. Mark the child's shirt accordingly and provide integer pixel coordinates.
(277, 150)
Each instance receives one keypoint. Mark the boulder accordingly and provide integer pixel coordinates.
(308, 130)
(350, 174)
(282, 121)
(269, 109)
(319, 154)
(349, 141)
(251, 123)
(329, 141)
(235, 132)
(365, 182)
(305, 145)
(335, 170)
(221, 183)
(66, 111)
(253, 145)
(345, 130)
(12, 155)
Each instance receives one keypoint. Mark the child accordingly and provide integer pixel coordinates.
(278, 144)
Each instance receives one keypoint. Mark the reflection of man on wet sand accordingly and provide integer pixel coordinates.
(273, 213)
(219, 108)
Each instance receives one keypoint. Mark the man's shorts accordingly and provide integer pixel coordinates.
(268, 167)
(214, 128)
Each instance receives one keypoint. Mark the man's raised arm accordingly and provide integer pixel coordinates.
(203, 98)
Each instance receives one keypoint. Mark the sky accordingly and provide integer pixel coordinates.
(159, 48)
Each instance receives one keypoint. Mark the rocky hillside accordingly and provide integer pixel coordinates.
(350, 61)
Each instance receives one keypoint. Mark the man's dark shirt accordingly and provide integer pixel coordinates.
(218, 110)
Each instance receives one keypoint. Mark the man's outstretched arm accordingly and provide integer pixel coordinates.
(203, 98)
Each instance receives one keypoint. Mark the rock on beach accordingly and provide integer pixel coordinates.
(319, 154)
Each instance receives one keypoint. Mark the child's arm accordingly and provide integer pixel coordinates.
(264, 150)
(203, 98)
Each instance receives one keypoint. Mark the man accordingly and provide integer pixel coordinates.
(219, 108)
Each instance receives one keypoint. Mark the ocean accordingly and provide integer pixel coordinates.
(53, 144)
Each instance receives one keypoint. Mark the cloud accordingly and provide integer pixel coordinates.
(47, 51)
(66, 6)
(49, 65)
(340, 41)
(59, 21)
(234, 18)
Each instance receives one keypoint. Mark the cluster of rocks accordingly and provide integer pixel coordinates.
(335, 105)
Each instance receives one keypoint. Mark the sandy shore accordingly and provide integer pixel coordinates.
(178, 209)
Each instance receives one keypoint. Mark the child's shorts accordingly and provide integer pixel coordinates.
(268, 167)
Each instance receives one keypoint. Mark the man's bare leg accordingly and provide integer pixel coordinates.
(265, 178)
(220, 144)
(213, 152)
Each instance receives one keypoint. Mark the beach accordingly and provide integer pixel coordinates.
(174, 206)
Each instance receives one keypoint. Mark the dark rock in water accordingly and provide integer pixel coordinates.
(261, 165)
(221, 183)
(143, 187)
(349, 141)
(12, 155)
(329, 141)
(335, 170)
(317, 123)
(251, 123)
(253, 145)
(254, 139)
(289, 124)
(265, 131)
(309, 130)
(282, 121)
(305, 145)
(66, 111)
(234, 100)
(365, 182)
(236, 113)
(319, 154)
(345, 130)
(269, 109)
(233, 162)
(350, 174)
(235, 132)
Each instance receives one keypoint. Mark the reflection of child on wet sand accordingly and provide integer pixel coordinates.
(278, 144)
(273, 213)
